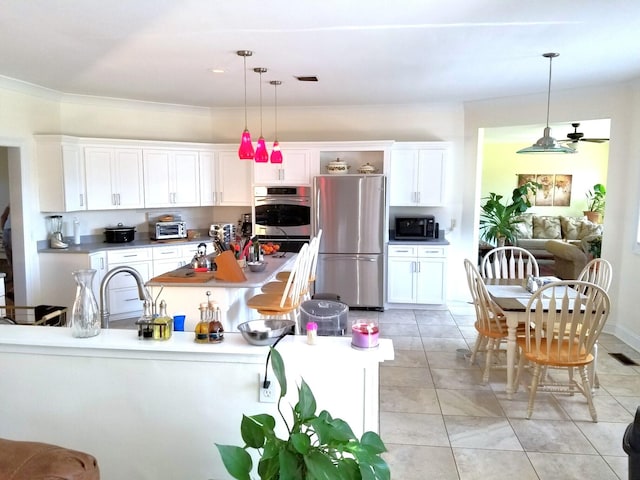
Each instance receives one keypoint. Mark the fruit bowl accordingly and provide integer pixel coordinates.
(257, 266)
(265, 331)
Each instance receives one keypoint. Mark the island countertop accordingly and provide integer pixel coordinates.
(274, 263)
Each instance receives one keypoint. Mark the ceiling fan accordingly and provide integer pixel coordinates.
(576, 136)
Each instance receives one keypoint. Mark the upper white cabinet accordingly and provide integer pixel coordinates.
(171, 178)
(61, 174)
(114, 178)
(297, 168)
(225, 180)
(417, 175)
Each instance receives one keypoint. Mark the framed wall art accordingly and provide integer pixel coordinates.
(555, 189)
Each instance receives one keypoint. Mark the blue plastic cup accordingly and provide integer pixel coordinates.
(178, 323)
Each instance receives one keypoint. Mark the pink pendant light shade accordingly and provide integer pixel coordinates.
(262, 156)
(245, 152)
(276, 154)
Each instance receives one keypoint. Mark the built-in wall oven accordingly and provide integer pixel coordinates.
(283, 215)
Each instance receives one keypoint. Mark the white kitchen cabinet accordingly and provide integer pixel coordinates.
(123, 296)
(225, 180)
(417, 176)
(168, 258)
(298, 167)
(61, 174)
(57, 284)
(416, 274)
(171, 178)
(114, 178)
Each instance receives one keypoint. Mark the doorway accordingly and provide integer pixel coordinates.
(5, 254)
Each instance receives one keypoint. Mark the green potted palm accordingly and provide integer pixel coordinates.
(499, 221)
(595, 203)
(318, 446)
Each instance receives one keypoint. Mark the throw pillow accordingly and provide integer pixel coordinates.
(546, 227)
(571, 227)
(524, 228)
(588, 229)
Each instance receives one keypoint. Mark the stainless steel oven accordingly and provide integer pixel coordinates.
(283, 215)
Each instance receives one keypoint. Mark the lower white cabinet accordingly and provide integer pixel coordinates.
(416, 274)
(166, 259)
(123, 297)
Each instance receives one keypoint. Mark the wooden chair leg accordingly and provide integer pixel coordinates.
(587, 392)
(537, 371)
(488, 359)
(476, 349)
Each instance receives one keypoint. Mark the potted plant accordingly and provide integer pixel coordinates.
(595, 203)
(499, 221)
(318, 446)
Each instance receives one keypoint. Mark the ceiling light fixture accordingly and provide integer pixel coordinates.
(245, 152)
(262, 156)
(276, 153)
(548, 144)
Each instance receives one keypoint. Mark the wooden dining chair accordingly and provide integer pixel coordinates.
(284, 275)
(491, 322)
(509, 262)
(597, 271)
(278, 286)
(563, 322)
(287, 303)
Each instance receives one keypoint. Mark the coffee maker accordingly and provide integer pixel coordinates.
(246, 228)
(54, 229)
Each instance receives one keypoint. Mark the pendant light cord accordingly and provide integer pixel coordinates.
(275, 90)
(245, 91)
(261, 103)
(549, 90)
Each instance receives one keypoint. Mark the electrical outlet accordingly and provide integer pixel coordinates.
(269, 394)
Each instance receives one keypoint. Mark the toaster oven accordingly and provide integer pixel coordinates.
(168, 230)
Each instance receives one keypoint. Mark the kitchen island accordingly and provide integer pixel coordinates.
(184, 294)
(154, 410)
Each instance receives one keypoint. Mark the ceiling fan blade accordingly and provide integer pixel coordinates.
(594, 140)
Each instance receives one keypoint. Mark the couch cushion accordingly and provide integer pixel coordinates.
(589, 229)
(571, 227)
(524, 228)
(546, 227)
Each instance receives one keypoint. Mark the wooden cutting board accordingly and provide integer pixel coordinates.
(184, 276)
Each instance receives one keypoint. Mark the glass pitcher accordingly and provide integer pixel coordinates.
(85, 316)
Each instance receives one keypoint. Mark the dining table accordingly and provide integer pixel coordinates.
(512, 296)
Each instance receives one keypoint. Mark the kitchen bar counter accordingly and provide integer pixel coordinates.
(232, 297)
(154, 410)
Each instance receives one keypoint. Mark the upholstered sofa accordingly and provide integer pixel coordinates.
(569, 259)
(534, 231)
(40, 461)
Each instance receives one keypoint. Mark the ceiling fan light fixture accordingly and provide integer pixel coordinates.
(548, 144)
(245, 151)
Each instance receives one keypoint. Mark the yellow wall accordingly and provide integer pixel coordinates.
(501, 165)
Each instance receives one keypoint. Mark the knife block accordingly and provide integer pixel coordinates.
(228, 269)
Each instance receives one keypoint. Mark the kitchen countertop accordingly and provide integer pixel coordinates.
(96, 243)
(274, 263)
(441, 240)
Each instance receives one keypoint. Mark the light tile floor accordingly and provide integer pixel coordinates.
(439, 421)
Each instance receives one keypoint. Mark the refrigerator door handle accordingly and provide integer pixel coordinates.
(352, 257)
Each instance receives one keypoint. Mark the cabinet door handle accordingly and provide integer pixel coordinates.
(214, 196)
(102, 264)
(281, 174)
(221, 197)
(81, 200)
(113, 199)
(118, 197)
(418, 195)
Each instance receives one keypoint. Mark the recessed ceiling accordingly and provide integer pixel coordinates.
(363, 52)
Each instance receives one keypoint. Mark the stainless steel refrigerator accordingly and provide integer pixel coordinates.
(350, 210)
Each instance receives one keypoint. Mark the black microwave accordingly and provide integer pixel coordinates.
(416, 228)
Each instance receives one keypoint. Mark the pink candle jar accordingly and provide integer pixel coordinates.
(364, 334)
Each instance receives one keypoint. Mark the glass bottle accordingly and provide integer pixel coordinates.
(85, 316)
(216, 332)
(145, 323)
(162, 324)
(202, 327)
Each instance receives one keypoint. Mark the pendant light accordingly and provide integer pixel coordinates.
(245, 152)
(276, 153)
(548, 144)
(262, 156)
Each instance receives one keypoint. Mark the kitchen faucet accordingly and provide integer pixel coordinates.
(142, 290)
